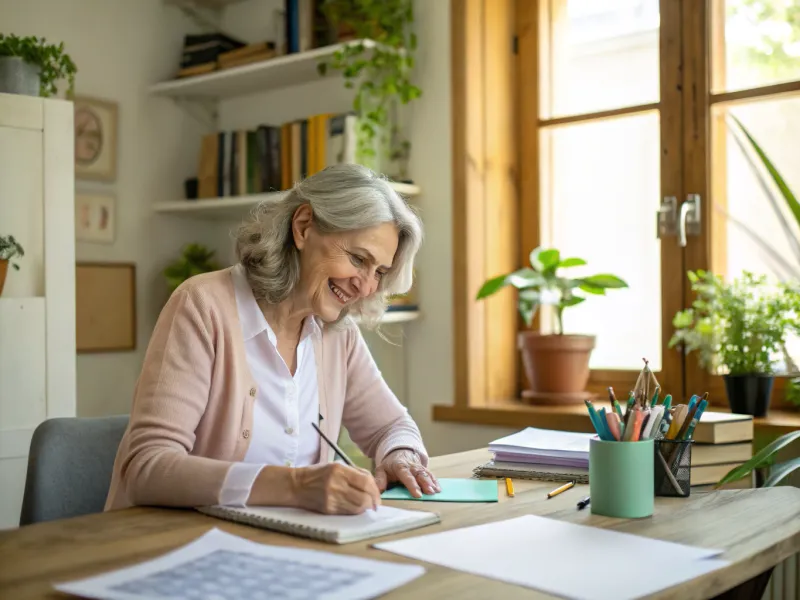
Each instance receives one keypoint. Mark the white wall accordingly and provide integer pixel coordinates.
(121, 47)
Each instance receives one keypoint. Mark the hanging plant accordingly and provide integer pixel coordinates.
(380, 75)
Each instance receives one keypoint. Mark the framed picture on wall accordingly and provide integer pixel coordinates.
(95, 218)
(95, 138)
(105, 299)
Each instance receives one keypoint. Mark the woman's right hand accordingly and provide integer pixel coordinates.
(335, 489)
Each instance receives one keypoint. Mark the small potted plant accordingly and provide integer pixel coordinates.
(738, 330)
(9, 248)
(557, 364)
(194, 260)
(30, 66)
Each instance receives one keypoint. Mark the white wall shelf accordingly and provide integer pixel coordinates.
(238, 207)
(270, 74)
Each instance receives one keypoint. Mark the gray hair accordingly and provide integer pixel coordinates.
(342, 198)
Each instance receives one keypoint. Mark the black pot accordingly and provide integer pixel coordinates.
(749, 394)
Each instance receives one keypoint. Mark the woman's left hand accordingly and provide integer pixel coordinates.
(404, 466)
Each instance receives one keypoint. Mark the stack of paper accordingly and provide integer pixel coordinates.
(540, 454)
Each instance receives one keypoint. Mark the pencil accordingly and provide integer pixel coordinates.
(339, 452)
(563, 488)
(509, 487)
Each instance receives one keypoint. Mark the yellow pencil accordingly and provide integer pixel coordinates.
(509, 488)
(563, 488)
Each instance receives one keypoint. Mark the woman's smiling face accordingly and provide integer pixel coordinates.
(336, 270)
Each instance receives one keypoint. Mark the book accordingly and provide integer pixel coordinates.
(706, 474)
(714, 454)
(722, 428)
(334, 529)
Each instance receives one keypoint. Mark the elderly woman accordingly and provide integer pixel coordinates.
(244, 360)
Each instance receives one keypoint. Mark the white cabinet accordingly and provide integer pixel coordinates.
(37, 307)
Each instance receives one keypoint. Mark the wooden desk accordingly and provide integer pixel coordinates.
(757, 528)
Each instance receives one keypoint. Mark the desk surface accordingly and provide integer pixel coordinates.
(758, 529)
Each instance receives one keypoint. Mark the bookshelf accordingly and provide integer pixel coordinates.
(238, 207)
(271, 74)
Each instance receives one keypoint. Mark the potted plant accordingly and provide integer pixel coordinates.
(738, 329)
(557, 364)
(9, 248)
(380, 74)
(194, 260)
(30, 66)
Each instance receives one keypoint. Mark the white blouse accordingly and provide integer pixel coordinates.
(285, 405)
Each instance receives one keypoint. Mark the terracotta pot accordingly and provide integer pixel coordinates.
(557, 366)
(3, 271)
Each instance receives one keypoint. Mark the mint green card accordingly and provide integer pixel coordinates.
(453, 490)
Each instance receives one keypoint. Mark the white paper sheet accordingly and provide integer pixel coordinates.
(545, 442)
(573, 561)
(221, 566)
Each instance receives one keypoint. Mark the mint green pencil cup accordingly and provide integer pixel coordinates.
(621, 478)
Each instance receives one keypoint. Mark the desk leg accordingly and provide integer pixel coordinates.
(753, 589)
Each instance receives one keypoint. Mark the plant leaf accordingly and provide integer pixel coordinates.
(491, 286)
(779, 472)
(604, 280)
(572, 262)
(788, 196)
(572, 301)
(525, 278)
(592, 289)
(550, 259)
(759, 458)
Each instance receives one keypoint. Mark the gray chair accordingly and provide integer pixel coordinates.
(69, 467)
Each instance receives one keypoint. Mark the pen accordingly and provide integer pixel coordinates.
(509, 487)
(563, 488)
(335, 448)
(583, 503)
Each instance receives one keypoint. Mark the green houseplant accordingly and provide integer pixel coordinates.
(764, 460)
(557, 364)
(737, 329)
(31, 66)
(9, 248)
(194, 260)
(379, 73)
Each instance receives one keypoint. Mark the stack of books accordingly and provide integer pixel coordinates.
(723, 441)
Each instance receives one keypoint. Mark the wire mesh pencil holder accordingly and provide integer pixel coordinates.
(673, 467)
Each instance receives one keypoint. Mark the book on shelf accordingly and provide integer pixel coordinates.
(271, 158)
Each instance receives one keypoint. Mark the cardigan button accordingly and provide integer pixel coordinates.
(246, 433)
(253, 392)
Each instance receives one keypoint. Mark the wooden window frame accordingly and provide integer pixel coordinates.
(490, 191)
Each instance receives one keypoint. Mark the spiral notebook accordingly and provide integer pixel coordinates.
(334, 529)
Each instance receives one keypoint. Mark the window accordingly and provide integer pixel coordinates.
(573, 136)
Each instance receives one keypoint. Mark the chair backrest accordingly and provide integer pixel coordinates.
(69, 467)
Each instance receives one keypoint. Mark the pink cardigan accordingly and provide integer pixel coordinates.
(193, 403)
